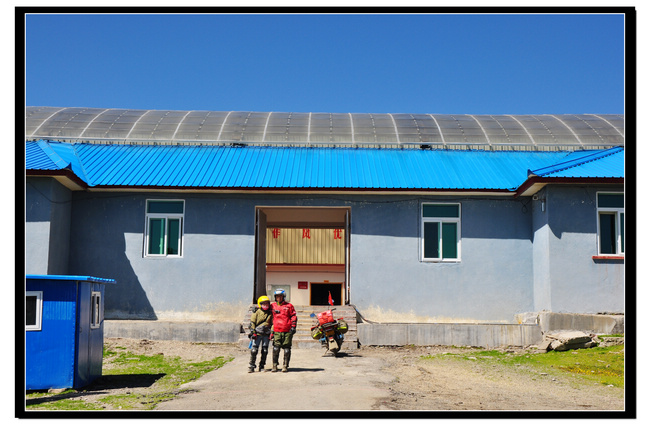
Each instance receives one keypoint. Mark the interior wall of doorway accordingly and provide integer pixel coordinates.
(291, 273)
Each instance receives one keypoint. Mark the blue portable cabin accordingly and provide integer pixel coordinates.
(64, 330)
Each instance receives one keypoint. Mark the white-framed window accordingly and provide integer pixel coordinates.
(95, 310)
(440, 232)
(611, 223)
(33, 310)
(164, 228)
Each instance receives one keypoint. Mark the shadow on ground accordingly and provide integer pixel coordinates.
(100, 386)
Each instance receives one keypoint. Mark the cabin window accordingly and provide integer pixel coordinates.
(164, 228)
(440, 232)
(611, 223)
(33, 311)
(95, 310)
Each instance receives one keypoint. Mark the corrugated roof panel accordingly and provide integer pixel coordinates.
(344, 168)
(37, 158)
(608, 163)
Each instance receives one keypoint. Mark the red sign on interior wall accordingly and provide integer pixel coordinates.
(302, 285)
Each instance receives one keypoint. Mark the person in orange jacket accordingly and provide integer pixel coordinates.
(284, 326)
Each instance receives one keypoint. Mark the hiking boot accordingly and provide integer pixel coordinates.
(261, 369)
(287, 358)
(276, 358)
(251, 369)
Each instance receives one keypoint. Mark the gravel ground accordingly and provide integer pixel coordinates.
(373, 379)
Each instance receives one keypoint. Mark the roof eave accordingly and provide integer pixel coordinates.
(305, 190)
(535, 183)
(64, 176)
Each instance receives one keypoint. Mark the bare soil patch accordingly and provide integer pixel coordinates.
(484, 384)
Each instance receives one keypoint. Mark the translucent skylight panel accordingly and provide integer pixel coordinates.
(560, 131)
(427, 128)
(610, 128)
(341, 128)
(617, 121)
(233, 126)
(253, 129)
(472, 130)
(189, 127)
(514, 131)
(330, 128)
(208, 126)
(537, 130)
(384, 128)
(493, 129)
(603, 127)
(321, 128)
(406, 128)
(451, 129)
(34, 118)
(587, 132)
(76, 124)
(287, 127)
(55, 124)
(156, 125)
(112, 124)
(364, 129)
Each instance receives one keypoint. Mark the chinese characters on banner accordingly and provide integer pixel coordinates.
(306, 233)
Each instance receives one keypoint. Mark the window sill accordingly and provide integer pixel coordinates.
(608, 257)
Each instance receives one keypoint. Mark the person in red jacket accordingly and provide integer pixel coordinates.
(284, 326)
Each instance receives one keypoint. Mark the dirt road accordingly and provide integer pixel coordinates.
(388, 379)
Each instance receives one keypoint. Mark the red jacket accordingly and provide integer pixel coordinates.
(284, 317)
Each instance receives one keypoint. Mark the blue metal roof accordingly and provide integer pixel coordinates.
(38, 158)
(608, 163)
(69, 278)
(255, 167)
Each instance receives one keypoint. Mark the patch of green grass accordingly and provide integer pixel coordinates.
(166, 373)
(604, 365)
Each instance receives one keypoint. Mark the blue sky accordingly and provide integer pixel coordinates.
(446, 64)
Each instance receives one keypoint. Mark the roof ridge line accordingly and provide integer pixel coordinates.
(575, 162)
(53, 155)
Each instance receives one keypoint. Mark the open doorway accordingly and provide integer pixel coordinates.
(320, 293)
(301, 247)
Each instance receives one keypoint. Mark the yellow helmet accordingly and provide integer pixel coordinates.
(261, 299)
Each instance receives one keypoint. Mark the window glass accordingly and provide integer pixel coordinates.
(30, 310)
(165, 207)
(33, 310)
(606, 200)
(156, 236)
(431, 240)
(607, 233)
(611, 223)
(449, 241)
(174, 230)
(440, 232)
(164, 225)
(437, 210)
(622, 232)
